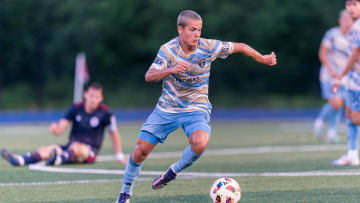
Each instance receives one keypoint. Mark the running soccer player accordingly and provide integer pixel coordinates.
(333, 56)
(352, 68)
(89, 120)
(183, 65)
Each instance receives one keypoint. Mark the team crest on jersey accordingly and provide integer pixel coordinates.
(94, 122)
(78, 118)
(201, 63)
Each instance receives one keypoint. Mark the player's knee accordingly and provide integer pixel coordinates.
(44, 151)
(336, 103)
(142, 150)
(81, 151)
(199, 141)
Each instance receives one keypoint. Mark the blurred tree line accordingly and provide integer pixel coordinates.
(39, 40)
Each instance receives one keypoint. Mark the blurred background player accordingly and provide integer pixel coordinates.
(183, 64)
(89, 120)
(352, 68)
(333, 55)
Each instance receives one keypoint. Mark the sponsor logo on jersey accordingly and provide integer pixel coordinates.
(225, 48)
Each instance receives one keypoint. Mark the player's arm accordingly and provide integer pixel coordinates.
(351, 62)
(245, 49)
(116, 141)
(155, 75)
(323, 57)
(59, 127)
(349, 65)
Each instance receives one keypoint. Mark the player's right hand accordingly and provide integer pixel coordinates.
(53, 128)
(270, 59)
(181, 67)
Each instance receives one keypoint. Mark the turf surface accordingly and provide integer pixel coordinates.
(38, 186)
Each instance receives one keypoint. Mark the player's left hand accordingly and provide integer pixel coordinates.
(269, 59)
(335, 87)
(120, 158)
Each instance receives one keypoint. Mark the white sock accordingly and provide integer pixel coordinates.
(353, 153)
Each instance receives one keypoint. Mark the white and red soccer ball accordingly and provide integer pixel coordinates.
(225, 190)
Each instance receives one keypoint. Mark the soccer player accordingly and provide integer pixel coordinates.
(89, 120)
(352, 68)
(183, 65)
(333, 56)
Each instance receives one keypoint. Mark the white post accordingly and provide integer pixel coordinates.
(81, 77)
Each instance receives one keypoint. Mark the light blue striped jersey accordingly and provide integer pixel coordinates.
(338, 45)
(354, 74)
(187, 92)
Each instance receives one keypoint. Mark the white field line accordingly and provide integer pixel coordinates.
(191, 175)
(67, 182)
(239, 151)
(40, 167)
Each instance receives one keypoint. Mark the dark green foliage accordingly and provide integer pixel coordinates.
(39, 40)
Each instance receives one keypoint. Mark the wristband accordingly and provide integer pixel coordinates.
(119, 156)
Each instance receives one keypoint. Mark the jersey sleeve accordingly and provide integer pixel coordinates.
(221, 49)
(110, 121)
(161, 60)
(355, 35)
(70, 114)
(112, 127)
(328, 37)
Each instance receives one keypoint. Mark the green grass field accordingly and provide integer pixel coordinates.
(289, 147)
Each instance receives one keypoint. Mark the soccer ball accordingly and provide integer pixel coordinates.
(225, 190)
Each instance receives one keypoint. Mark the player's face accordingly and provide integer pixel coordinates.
(353, 8)
(190, 34)
(345, 22)
(93, 98)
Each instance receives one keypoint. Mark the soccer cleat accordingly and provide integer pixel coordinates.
(52, 160)
(318, 129)
(163, 179)
(123, 198)
(11, 158)
(346, 160)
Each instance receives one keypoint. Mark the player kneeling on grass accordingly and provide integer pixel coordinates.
(352, 68)
(183, 64)
(89, 120)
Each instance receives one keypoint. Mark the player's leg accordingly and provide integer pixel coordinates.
(351, 157)
(334, 119)
(140, 153)
(74, 152)
(156, 129)
(145, 144)
(198, 142)
(197, 129)
(29, 157)
(325, 112)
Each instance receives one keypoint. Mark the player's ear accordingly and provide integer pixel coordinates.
(179, 29)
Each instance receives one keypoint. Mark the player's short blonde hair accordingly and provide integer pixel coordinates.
(185, 15)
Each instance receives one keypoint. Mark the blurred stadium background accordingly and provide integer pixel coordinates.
(254, 105)
(40, 39)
